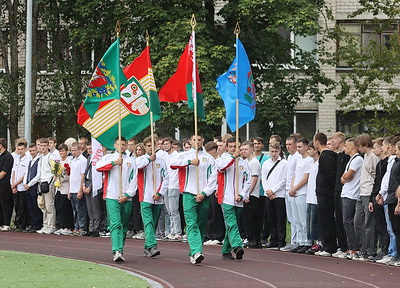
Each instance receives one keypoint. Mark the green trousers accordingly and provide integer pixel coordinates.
(150, 214)
(196, 216)
(232, 236)
(118, 218)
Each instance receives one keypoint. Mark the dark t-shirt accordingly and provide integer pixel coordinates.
(6, 165)
(381, 168)
(326, 176)
(342, 160)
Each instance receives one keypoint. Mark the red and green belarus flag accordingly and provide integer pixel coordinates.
(185, 83)
(136, 97)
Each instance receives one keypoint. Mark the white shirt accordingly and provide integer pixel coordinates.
(302, 167)
(45, 167)
(172, 173)
(64, 179)
(351, 189)
(276, 181)
(78, 167)
(291, 168)
(311, 197)
(255, 170)
(36, 178)
(385, 180)
(20, 169)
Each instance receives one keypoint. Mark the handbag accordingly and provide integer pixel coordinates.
(44, 187)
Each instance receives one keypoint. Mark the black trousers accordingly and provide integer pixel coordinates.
(135, 221)
(64, 212)
(252, 219)
(381, 227)
(327, 224)
(6, 203)
(264, 224)
(340, 232)
(215, 225)
(35, 214)
(277, 221)
(22, 211)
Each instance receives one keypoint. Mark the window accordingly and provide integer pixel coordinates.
(41, 52)
(365, 34)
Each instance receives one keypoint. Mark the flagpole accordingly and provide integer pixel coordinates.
(153, 164)
(118, 30)
(194, 96)
(237, 31)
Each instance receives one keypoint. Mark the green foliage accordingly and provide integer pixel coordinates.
(371, 84)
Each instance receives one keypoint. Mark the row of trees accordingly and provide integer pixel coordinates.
(69, 34)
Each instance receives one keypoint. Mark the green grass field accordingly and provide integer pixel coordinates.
(33, 270)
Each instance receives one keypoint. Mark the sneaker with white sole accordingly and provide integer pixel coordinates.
(151, 252)
(5, 228)
(385, 259)
(66, 231)
(288, 247)
(140, 236)
(58, 232)
(196, 258)
(118, 257)
(338, 253)
(325, 254)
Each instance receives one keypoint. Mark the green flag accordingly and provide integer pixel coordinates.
(106, 79)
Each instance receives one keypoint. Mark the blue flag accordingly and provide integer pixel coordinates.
(238, 83)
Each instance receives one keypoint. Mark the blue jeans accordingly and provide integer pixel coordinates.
(80, 211)
(392, 251)
(312, 222)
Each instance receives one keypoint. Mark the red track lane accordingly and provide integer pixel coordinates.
(172, 269)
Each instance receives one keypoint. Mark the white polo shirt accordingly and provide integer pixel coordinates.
(78, 167)
(255, 170)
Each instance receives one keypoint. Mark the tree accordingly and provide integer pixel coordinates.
(372, 82)
(75, 29)
(10, 79)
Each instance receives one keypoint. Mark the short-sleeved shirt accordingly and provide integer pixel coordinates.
(351, 189)
(255, 170)
(312, 182)
(78, 167)
(302, 167)
(262, 158)
(6, 165)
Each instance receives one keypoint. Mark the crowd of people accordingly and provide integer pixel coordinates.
(340, 195)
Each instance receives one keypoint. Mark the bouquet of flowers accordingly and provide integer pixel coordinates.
(67, 169)
(56, 169)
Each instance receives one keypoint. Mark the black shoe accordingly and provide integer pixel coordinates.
(271, 246)
(227, 256)
(95, 234)
(303, 249)
(239, 253)
(255, 245)
(295, 249)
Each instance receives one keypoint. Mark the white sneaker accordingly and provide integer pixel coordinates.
(140, 236)
(345, 255)
(41, 231)
(66, 231)
(385, 259)
(5, 228)
(118, 257)
(338, 253)
(208, 242)
(58, 232)
(196, 258)
(325, 254)
(287, 248)
(48, 231)
(184, 238)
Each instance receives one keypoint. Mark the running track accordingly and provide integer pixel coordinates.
(259, 268)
